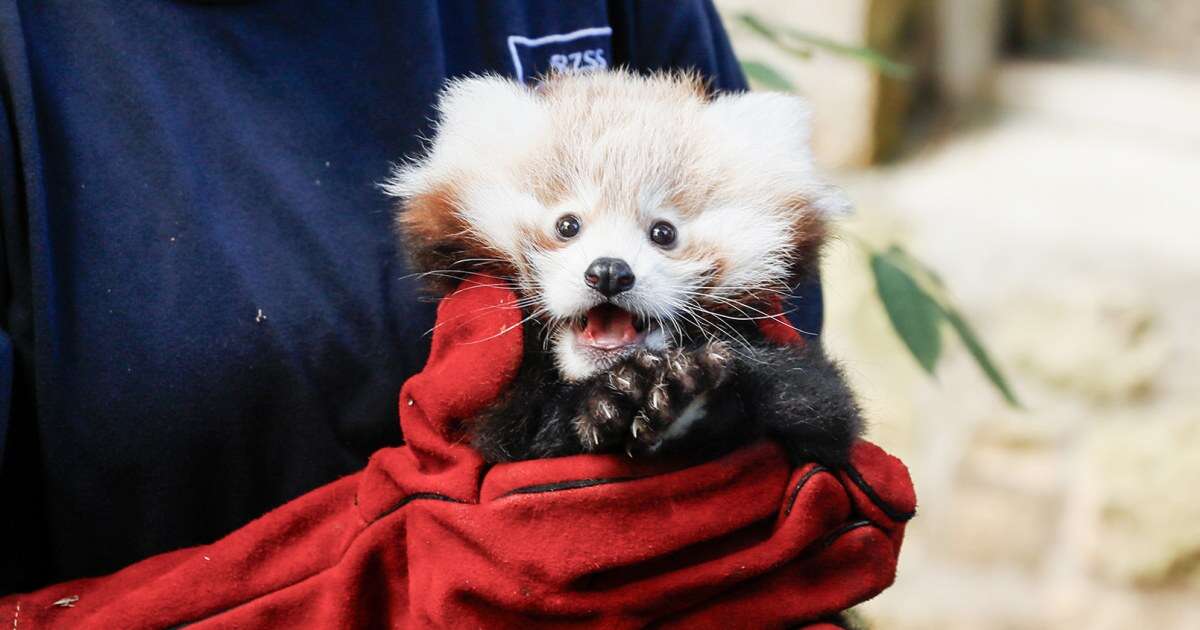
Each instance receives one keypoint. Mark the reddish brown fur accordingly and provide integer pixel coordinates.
(540, 239)
(808, 239)
(436, 237)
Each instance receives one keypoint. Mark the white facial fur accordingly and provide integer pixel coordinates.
(621, 152)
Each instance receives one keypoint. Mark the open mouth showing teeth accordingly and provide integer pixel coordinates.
(609, 327)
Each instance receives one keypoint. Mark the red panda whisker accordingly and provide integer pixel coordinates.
(455, 274)
(477, 260)
(738, 306)
(703, 324)
(696, 310)
(741, 308)
(504, 330)
(744, 316)
(717, 323)
(477, 313)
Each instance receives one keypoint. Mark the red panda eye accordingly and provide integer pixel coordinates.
(567, 226)
(662, 233)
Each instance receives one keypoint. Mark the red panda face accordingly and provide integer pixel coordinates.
(625, 211)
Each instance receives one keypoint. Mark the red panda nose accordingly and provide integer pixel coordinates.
(609, 276)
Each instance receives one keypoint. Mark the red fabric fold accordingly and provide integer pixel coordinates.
(429, 536)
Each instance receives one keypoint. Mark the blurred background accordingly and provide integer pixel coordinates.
(1042, 158)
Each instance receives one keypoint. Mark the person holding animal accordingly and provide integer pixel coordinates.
(207, 313)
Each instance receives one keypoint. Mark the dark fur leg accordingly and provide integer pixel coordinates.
(534, 417)
(800, 397)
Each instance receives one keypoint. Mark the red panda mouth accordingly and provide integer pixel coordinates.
(608, 327)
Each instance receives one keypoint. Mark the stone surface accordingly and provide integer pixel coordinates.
(1066, 232)
(1096, 342)
(1146, 504)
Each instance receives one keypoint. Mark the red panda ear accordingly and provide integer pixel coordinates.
(774, 131)
(779, 120)
(487, 116)
(480, 119)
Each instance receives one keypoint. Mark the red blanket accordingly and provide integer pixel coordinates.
(428, 535)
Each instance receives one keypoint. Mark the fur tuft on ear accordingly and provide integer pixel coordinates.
(478, 118)
(489, 113)
(775, 131)
(831, 202)
(766, 118)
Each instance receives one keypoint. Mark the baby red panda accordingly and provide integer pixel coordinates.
(647, 227)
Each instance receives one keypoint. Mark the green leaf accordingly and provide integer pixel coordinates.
(766, 76)
(964, 331)
(788, 38)
(905, 301)
(901, 255)
(869, 56)
(914, 314)
(758, 26)
(980, 354)
(769, 33)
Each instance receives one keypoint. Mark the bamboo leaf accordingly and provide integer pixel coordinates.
(769, 33)
(766, 76)
(869, 56)
(980, 354)
(788, 39)
(900, 254)
(913, 313)
(964, 331)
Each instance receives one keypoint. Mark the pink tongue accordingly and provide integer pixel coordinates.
(609, 327)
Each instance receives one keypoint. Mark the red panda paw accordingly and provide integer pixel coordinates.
(602, 420)
(676, 392)
(637, 402)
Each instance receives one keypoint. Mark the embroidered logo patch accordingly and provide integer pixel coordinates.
(583, 50)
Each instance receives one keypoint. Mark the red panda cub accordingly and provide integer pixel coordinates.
(647, 227)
